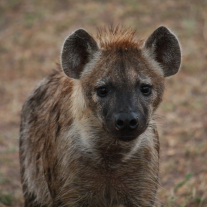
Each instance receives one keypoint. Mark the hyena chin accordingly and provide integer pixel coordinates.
(88, 137)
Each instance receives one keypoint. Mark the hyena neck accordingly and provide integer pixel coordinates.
(98, 147)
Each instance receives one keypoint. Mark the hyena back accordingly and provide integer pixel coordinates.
(88, 134)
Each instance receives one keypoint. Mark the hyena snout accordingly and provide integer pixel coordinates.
(127, 126)
(126, 121)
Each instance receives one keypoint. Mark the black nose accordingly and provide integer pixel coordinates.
(126, 121)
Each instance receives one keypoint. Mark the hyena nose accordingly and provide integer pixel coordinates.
(125, 121)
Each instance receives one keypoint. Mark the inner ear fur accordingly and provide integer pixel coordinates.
(77, 50)
(164, 47)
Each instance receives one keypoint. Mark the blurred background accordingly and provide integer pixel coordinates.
(31, 36)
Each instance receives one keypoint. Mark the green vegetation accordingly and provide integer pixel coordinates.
(6, 199)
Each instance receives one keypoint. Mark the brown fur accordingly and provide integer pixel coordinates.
(67, 155)
(117, 37)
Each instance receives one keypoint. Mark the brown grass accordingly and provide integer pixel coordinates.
(31, 34)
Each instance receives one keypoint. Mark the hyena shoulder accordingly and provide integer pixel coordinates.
(42, 122)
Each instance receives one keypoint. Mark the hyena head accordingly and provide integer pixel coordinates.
(121, 78)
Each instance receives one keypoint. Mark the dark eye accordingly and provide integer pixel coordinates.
(102, 91)
(146, 90)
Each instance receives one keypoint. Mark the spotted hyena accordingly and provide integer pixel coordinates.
(88, 133)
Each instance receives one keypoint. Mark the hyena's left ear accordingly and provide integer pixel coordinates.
(77, 50)
(164, 47)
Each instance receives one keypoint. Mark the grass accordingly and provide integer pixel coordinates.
(31, 35)
(179, 185)
(6, 199)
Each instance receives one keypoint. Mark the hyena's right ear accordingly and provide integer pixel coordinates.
(77, 50)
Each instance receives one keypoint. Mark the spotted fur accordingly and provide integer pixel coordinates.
(69, 154)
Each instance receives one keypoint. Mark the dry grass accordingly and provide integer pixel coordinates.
(31, 34)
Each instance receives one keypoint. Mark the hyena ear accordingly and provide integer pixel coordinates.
(77, 50)
(164, 47)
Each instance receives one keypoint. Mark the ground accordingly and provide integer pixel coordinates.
(31, 36)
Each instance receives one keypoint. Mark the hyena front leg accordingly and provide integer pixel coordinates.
(30, 201)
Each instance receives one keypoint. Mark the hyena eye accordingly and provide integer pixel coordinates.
(102, 91)
(146, 89)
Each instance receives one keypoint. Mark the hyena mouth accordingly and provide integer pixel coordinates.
(127, 137)
(126, 126)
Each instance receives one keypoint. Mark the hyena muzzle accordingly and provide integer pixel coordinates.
(88, 134)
